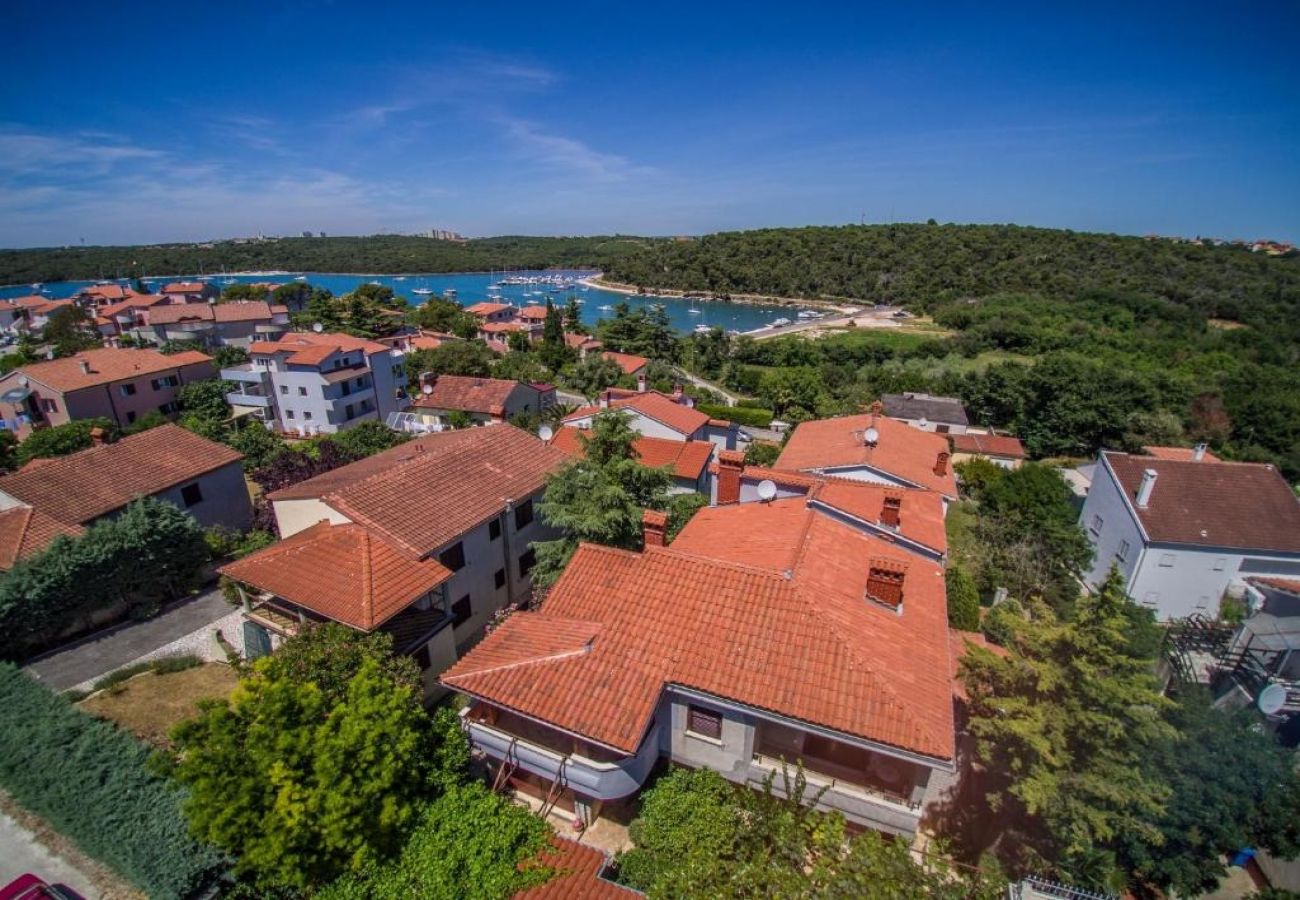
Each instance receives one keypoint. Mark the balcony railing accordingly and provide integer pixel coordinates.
(242, 398)
(245, 374)
(858, 803)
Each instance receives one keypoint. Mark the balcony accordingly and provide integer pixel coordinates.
(245, 374)
(598, 780)
(860, 804)
(242, 398)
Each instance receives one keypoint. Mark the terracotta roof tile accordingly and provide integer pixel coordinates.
(683, 419)
(581, 341)
(628, 362)
(902, 451)
(1289, 585)
(988, 445)
(775, 621)
(82, 486)
(961, 642)
(171, 313)
(688, 458)
(107, 291)
(184, 287)
(1185, 453)
(109, 364)
(242, 311)
(577, 868)
(342, 572)
(487, 309)
(139, 301)
(469, 394)
(1244, 506)
(24, 531)
(309, 348)
(533, 313)
(427, 492)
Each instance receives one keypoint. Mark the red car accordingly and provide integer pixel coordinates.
(31, 887)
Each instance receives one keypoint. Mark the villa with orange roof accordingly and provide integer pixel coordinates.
(688, 461)
(113, 383)
(766, 633)
(655, 414)
(235, 323)
(629, 363)
(309, 383)
(189, 291)
(483, 400)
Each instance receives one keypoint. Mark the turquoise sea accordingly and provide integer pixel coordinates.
(473, 287)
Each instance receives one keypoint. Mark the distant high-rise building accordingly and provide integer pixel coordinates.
(441, 234)
(306, 234)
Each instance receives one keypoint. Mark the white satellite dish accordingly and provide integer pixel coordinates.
(546, 432)
(1271, 700)
(426, 389)
(767, 490)
(317, 327)
(923, 421)
(872, 435)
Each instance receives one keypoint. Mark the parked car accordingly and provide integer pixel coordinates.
(32, 887)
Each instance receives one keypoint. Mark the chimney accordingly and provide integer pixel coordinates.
(85, 367)
(730, 464)
(640, 383)
(96, 437)
(653, 526)
(1146, 487)
(428, 378)
(1198, 452)
(885, 581)
(941, 463)
(891, 513)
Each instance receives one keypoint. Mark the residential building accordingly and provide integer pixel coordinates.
(310, 383)
(116, 384)
(654, 414)
(442, 525)
(689, 460)
(115, 319)
(99, 295)
(910, 518)
(872, 447)
(1000, 449)
(768, 634)
(483, 400)
(190, 291)
(236, 323)
(1199, 452)
(1183, 532)
(629, 363)
(491, 312)
(65, 494)
(497, 334)
(583, 343)
(944, 415)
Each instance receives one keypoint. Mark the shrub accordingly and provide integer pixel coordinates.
(164, 666)
(741, 415)
(61, 440)
(963, 600)
(89, 781)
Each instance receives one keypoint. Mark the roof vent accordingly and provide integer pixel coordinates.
(1145, 488)
(885, 581)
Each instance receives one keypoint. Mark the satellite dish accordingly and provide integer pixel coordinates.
(546, 432)
(317, 327)
(872, 435)
(923, 421)
(1271, 700)
(767, 490)
(426, 388)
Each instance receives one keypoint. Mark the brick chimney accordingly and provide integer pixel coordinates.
(730, 464)
(941, 463)
(885, 581)
(891, 513)
(654, 525)
(96, 437)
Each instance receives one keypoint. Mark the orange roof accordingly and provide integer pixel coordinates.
(427, 492)
(82, 486)
(780, 622)
(108, 291)
(24, 531)
(580, 341)
(242, 311)
(171, 313)
(629, 363)
(904, 452)
(532, 313)
(577, 869)
(1183, 453)
(139, 301)
(487, 309)
(344, 572)
(921, 517)
(107, 364)
(1003, 445)
(309, 348)
(503, 327)
(688, 458)
(184, 287)
(1289, 585)
(683, 419)
(468, 394)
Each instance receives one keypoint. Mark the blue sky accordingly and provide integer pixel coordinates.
(123, 123)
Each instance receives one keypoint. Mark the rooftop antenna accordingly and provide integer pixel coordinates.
(767, 490)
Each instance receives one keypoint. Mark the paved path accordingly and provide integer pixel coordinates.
(113, 648)
(20, 853)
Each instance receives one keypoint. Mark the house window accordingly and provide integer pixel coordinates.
(704, 722)
(421, 657)
(167, 381)
(453, 557)
(49, 406)
(460, 611)
(130, 417)
(284, 389)
(170, 407)
(500, 578)
(941, 429)
(190, 495)
(1166, 560)
(1122, 552)
(523, 514)
(361, 382)
(494, 529)
(1095, 528)
(126, 390)
(302, 392)
(1151, 599)
(348, 411)
(291, 414)
(526, 562)
(306, 414)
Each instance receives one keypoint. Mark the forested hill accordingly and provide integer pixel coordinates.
(925, 265)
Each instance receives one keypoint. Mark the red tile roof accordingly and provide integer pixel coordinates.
(761, 604)
(987, 445)
(902, 451)
(577, 869)
(343, 572)
(921, 516)
(683, 419)
(83, 486)
(107, 364)
(688, 458)
(581, 341)
(1289, 585)
(427, 492)
(309, 348)
(24, 531)
(243, 311)
(139, 301)
(533, 313)
(486, 309)
(1244, 506)
(1178, 453)
(469, 394)
(629, 363)
(171, 313)
(504, 327)
(108, 291)
(184, 287)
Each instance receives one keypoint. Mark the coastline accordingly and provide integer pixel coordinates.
(599, 282)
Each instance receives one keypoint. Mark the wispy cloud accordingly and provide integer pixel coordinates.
(566, 153)
(258, 133)
(27, 152)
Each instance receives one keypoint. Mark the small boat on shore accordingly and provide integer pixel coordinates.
(810, 314)
(301, 278)
(605, 308)
(423, 292)
(781, 322)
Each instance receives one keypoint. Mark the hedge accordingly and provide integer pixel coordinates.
(88, 780)
(741, 415)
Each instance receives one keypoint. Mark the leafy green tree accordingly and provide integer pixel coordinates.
(453, 358)
(963, 600)
(555, 354)
(229, 355)
(60, 440)
(206, 399)
(366, 439)
(299, 788)
(707, 354)
(445, 316)
(518, 366)
(242, 292)
(69, 329)
(977, 475)
(8, 451)
(259, 445)
(1064, 723)
(329, 656)
(519, 342)
(762, 453)
(644, 331)
(593, 375)
(573, 317)
(294, 295)
(152, 419)
(681, 508)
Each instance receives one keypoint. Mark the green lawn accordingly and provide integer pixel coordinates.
(960, 525)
